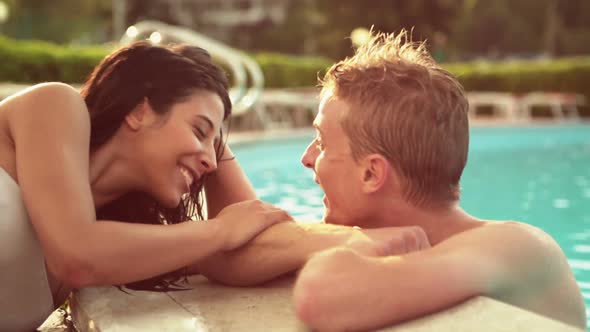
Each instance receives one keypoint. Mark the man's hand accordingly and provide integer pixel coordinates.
(389, 241)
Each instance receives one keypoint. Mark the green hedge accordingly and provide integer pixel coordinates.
(34, 61)
(562, 75)
(291, 71)
(37, 61)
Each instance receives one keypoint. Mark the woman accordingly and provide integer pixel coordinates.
(136, 145)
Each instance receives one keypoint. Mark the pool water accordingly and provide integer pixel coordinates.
(538, 175)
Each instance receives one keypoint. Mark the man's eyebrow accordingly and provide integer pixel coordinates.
(317, 127)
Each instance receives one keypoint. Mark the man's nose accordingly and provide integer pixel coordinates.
(309, 156)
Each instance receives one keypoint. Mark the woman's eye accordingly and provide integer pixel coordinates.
(199, 132)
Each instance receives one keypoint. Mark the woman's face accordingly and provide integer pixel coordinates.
(178, 147)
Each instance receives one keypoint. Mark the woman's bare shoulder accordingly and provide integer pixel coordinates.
(40, 93)
(45, 102)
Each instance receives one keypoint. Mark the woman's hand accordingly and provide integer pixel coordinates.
(240, 222)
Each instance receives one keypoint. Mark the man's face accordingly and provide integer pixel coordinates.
(330, 157)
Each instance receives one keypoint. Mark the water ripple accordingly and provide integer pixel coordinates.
(579, 264)
(561, 203)
(582, 248)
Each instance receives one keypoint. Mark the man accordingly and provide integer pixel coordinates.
(390, 150)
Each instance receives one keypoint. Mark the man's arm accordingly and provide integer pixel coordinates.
(280, 249)
(285, 247)
(340, 289)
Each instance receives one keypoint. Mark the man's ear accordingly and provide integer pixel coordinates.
(376, 172)
(138, 116)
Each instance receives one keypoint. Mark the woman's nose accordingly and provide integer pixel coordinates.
(209, 160)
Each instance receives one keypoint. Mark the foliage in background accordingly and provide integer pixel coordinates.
(60, 21)
(463, 29)
(282, 71)
(324, 26)
(38, 61)
(563, 75)
(459, 29)
(495, 29)
(33, 62)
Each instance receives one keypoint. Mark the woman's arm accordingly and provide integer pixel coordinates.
(51, 129)
(280, 249)
(227, 185)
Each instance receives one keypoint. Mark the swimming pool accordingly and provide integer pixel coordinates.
(539, 175)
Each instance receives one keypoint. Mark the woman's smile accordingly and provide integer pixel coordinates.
(188, 176)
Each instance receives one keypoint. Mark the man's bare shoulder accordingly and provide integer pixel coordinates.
(521, 265)
(513, 252)
(505, 236)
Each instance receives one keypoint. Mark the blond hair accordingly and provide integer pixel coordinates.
(408, 109)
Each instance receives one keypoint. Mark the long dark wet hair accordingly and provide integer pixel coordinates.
(164, 76)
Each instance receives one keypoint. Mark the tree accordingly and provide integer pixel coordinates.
(523, 28)
(341, 17)
(60, 21)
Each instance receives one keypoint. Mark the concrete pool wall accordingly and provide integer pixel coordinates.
(212, 307)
